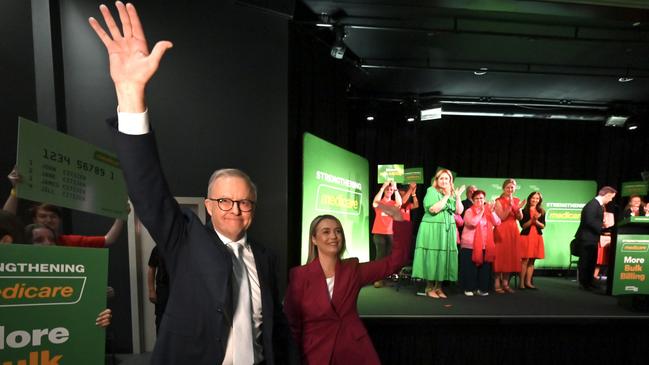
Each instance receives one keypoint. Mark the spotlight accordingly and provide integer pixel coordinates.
(632, 126)
(410, 119)
(369, 118)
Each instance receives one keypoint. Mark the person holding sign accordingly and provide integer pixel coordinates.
(321, 297)
(382, 230)
(51, 216)
(436, 248)
(506, 237)
(531, 239)
(224, 306)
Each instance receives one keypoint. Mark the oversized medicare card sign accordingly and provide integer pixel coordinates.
(336, 182)
(62, 170)
(49, 299)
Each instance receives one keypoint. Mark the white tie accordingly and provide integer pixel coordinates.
(243, 353)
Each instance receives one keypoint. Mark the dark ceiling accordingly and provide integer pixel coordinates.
(568, 53)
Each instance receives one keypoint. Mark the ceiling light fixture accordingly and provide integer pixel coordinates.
(338, 49)
(626, 77)
(616, 120)
(369, 118)
(481, 72)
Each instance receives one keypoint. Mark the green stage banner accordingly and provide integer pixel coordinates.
(49, 299)
(635, 188)
(392, 172)
(562, 200)
(414, 175)
(68, 172)
(631, 260)
(335, 181)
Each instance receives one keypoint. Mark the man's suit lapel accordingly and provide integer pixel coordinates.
(207, 265)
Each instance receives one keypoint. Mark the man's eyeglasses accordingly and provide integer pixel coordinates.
(226, 204)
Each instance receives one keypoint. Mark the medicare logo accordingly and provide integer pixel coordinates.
(563, 215)
(336, 200)
(18, 291)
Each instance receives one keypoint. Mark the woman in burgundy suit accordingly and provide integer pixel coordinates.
(320, 302)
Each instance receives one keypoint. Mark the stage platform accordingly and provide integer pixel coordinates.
(556, 297)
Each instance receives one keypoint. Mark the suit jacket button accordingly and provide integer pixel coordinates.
(219, 310)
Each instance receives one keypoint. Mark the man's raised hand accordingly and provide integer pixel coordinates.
(131, 64)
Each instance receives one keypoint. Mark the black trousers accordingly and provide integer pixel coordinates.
(383, 245)
(474, 277)
(587, 262)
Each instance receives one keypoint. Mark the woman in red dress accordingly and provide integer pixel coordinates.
(506, 235)
(531, 240)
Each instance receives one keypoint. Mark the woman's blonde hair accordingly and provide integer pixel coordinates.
(313, 228)
(507, 182)
(438, 174)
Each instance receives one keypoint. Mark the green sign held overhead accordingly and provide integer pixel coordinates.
(414, 175)
(49, 299)
(635, 188)
(65, 171)
(394, 172)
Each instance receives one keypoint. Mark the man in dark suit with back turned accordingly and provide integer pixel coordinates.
(224, 306)
(587, 235)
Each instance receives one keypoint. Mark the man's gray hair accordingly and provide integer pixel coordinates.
(232, 173)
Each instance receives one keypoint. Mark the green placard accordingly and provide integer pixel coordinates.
(635, 188)
(49, 299)
(392, 172)
(414, 175)
(337, 185)
(562, 200)
(68, 172)
(631, 264)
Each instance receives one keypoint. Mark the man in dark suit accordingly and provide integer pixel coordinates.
(587, 235)
(224, 306)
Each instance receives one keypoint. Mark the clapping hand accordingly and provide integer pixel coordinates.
(521, 204)
(459, 191)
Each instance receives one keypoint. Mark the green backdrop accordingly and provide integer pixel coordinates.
(335, 181)
(562, 199)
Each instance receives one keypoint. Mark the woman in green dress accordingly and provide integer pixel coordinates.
(436, 249)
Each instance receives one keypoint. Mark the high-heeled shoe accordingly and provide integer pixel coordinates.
(530, 286)
(440, 293)
(432, 294)
(509, 290)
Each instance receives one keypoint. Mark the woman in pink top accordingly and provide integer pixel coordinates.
(477, 250)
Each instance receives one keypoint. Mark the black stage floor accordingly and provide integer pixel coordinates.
(556, 297)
